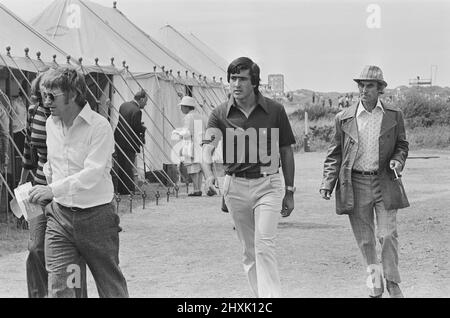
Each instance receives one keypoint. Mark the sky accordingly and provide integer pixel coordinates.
(319, 45)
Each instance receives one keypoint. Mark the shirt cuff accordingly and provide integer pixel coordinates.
(59, 188)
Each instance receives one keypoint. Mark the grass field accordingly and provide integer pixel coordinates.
(187, 247)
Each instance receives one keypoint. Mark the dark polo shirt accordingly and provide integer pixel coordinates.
(267, 124)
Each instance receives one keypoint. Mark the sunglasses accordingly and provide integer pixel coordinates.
(51, 96)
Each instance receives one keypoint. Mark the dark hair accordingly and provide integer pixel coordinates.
(67, 79)
(245, 63)
(140, 94)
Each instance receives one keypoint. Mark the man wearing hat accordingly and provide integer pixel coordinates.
(128, 138)
(192, 133)
(368, 149)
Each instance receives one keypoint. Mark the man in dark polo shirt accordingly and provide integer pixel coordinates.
(256, 134)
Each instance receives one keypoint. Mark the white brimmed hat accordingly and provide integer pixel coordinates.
(188, 101)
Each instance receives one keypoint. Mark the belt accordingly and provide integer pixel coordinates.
(73, 209)
(366, 173)
(250, 175)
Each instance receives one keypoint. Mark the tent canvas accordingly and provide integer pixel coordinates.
(69, 24)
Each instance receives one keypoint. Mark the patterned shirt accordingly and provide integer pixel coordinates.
(369, 125)
(36, 138)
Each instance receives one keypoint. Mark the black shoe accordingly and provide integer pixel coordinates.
(195, 194)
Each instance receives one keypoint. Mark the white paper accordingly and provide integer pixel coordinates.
(29, 210)
(15, 208)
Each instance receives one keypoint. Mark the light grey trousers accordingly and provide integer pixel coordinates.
(369, 204)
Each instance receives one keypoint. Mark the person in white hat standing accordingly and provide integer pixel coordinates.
(192, 134)
(367, 152)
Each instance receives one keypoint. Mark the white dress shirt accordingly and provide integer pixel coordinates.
(369, 125)
(80, 160)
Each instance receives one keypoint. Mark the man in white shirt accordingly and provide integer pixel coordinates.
(81, 219)
(368, 151)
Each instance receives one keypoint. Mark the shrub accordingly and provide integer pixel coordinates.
(420, 110)
(324, 133)
(437, 137)
(315, 112)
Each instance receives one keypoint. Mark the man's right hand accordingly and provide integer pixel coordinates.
(326, 194)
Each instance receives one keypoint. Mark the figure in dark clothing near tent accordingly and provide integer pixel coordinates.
(129, 138)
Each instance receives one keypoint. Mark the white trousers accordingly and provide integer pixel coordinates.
(255, 206)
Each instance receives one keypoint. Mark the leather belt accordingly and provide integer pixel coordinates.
(366, 173)
(73, 209)
(250, 175)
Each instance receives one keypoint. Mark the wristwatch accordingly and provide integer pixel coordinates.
(291, 189)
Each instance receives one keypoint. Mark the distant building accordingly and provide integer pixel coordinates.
(276, 83)
(420, 81)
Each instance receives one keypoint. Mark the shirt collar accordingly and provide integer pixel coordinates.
(85, 114)
(361, 108)
(260, 100)
(136, 103)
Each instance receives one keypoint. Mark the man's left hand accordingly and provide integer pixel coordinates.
(288, 204)
(40, 194)
(394, 164)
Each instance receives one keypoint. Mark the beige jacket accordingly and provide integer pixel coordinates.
(337, 172)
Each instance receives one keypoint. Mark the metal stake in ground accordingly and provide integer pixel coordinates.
(118, 199)
(144, 195)
(157, 196)
(131, 203)
(6, 196)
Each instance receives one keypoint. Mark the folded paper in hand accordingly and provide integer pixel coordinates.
(29, 210)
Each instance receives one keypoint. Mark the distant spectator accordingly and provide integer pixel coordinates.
(129, 135)
(191, 151)
(341, 101)
(4, 131)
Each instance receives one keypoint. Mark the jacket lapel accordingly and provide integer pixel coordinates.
(388, 121)
(349, 122)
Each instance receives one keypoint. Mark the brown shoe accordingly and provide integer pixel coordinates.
(394, 290)
(195, 194)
